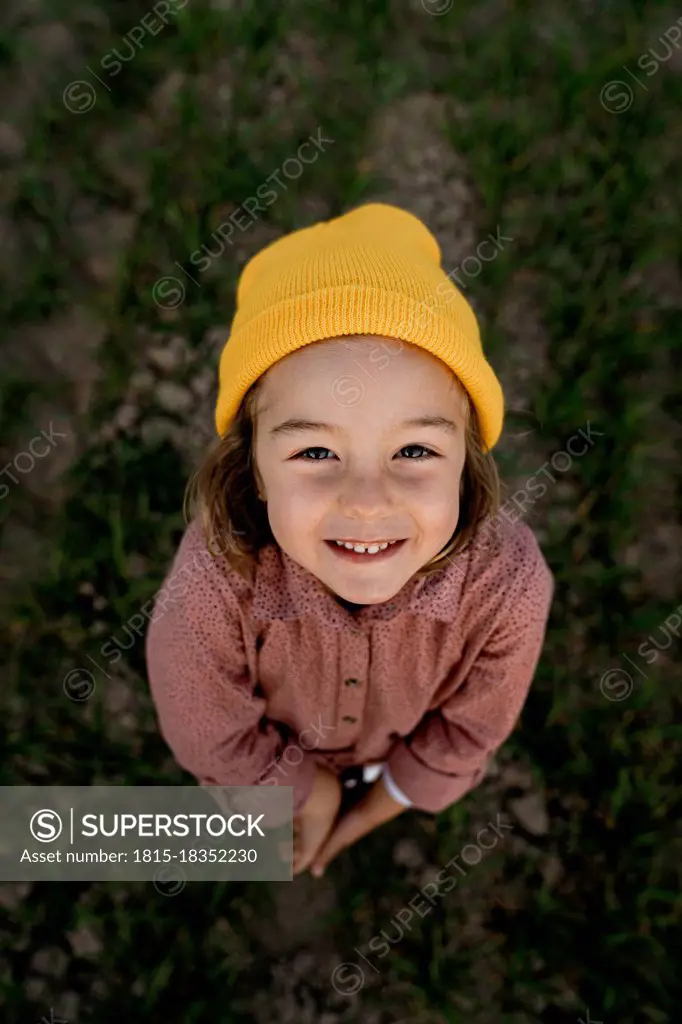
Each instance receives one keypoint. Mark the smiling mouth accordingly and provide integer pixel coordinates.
(371, 548)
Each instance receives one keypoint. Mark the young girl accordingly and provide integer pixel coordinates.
(348, 605)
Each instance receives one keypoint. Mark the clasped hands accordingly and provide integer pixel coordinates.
(319, 834)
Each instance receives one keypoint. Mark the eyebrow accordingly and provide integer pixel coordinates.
(299, 426)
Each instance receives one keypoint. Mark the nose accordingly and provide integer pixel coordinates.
(365, 496)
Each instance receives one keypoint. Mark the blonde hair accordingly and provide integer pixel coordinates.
(223, 492)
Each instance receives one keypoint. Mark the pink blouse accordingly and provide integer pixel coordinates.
(256, 682)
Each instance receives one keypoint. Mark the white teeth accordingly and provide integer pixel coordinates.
(365, 549)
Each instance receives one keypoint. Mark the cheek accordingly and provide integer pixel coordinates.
(444, 511)
(293, 505)
(433, 489)
(303, 489)
(439, 501)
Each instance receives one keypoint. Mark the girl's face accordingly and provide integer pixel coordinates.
(337, 458)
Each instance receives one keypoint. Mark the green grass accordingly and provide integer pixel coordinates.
(591, 198)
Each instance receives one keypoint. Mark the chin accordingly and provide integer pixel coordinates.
(357, 599)
(365, 595)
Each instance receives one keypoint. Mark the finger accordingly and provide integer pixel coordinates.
(305, 858)
(350, 829)
(326, 855)
(302, 856)
(314, 839)
(296, 851)
(298, 865)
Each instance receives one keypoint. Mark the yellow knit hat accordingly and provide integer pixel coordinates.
(375, 270)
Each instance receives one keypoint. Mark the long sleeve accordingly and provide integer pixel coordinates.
(208, 710)
(446, 754)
